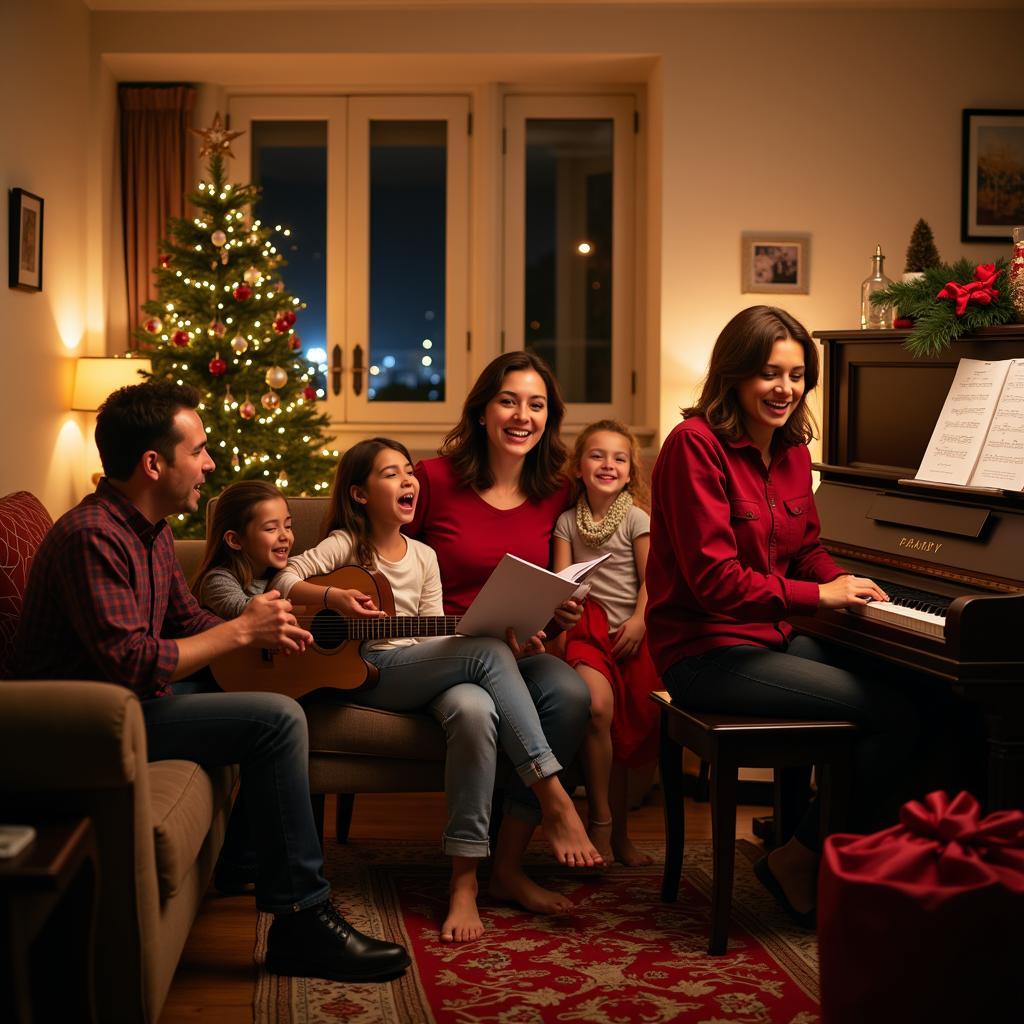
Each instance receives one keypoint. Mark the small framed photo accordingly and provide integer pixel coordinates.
(993, 175)
(26, 241)
(775, 262)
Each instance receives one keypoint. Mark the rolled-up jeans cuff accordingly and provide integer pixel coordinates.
(453, 847)
(314, 899)
(538, 768)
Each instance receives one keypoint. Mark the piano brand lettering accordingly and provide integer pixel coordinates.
(926, 547)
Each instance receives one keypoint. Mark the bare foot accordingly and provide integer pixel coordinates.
(520, 888)
(600, 833)
(463, 922)
(630, 855)
(568, 837)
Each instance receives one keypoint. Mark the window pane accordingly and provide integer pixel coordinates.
(289, 161)
(408, 213)
(568, 272)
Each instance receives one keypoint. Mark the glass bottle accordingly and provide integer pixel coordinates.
(875, 317)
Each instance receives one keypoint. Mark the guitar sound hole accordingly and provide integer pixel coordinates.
(328, 630)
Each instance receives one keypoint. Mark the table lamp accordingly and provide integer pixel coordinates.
(97, 376)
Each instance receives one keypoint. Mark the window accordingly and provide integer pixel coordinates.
(569, 211)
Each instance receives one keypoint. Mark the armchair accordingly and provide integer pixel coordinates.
(73, 748)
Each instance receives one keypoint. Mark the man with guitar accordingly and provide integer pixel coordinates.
(106, 581)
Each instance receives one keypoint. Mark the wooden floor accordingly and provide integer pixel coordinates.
(216, 977)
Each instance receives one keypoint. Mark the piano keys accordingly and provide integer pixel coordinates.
(950, 558)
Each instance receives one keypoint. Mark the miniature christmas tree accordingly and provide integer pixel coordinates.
(224, 323)
(921, 253)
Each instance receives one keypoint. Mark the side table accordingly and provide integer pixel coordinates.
(47, 904)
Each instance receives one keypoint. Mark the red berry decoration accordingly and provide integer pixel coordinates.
(217, 366)
(309, 392)
(242, 293)
(181, 338)
(295, 343)
(281, 325)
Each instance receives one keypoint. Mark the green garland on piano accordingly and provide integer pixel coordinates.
(936, 321)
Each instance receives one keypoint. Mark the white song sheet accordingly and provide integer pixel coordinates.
(960, 431)
(1001, 463)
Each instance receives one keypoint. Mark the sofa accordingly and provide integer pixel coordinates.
(72, 748)
(354, 749)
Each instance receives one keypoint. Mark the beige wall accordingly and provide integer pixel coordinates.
(841, 123)
(45, 144)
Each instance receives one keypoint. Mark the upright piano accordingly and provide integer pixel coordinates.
(950, 558)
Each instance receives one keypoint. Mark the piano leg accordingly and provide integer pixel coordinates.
(1005, 726)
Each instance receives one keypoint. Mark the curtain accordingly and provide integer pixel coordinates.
(154, 178)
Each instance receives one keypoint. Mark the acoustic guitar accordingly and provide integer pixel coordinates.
(334, 659)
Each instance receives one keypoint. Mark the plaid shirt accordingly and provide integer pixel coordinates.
(106, 600)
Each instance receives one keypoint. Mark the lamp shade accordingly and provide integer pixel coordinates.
(97, 376)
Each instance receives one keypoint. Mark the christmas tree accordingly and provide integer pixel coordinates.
(921, 252)
(225, 323)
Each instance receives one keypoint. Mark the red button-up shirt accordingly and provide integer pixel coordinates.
(734, 544)
(106, 599)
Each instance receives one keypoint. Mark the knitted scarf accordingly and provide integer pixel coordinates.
(596, 534)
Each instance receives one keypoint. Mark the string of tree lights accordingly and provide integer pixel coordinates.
(224, 322)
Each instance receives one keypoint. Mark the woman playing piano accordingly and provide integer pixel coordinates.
(735, 551)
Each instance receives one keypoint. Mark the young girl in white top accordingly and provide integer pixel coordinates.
(608, 647)
(374, 495)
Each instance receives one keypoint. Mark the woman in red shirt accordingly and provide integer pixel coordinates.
(735, 551)
(499, 487)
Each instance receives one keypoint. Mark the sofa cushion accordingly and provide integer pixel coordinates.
(23, 524)
(183, 800)
(340, 729)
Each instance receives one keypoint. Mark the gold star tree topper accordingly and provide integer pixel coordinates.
(216, 138)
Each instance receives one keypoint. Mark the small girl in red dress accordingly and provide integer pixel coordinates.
(608, 647)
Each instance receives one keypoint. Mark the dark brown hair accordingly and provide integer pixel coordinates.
(137, 419)
(344, 512)
(233, 510)
(466, 443)
(637, 483)
(741, 351)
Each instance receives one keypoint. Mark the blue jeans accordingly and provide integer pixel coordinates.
(812, 679)
(537, 708)
(266, 734)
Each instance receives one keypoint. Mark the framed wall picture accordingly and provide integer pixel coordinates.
(993, 175)
(26, 240)
(775, 262)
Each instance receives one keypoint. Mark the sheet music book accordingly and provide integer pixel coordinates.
(978, 440)
(524, 596)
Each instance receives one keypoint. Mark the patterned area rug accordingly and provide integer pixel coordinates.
(622, 956)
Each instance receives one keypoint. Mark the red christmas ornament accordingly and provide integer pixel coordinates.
(217, 366)
(281, 325)
(295, 343)
(181, 338)
(242, 293)
(165, 261)
(309, 392)
(153, 325)
(289, 317)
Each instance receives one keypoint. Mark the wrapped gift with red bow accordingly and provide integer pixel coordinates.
(925, 920)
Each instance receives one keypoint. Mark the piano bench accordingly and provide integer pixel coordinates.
(728, 743)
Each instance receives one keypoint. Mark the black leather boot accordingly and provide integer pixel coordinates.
(320, 943)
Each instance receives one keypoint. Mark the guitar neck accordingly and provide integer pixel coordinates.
(389, 627)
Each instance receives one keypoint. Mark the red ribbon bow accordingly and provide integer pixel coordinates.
(981, 290)
(946, 820)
